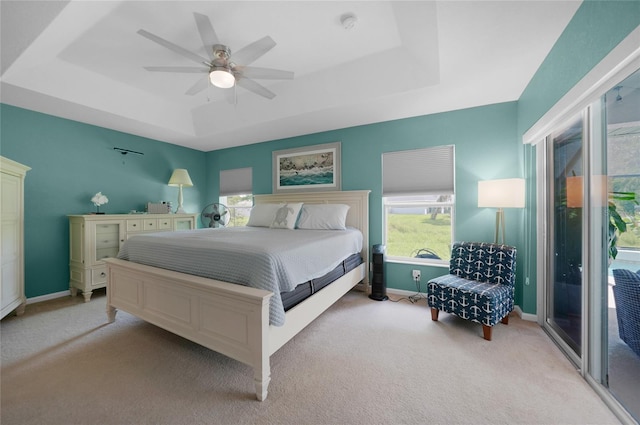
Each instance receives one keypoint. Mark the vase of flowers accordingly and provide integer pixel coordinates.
(99, 199)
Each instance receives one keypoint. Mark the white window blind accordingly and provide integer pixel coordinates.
(418, 171)
(236, 181)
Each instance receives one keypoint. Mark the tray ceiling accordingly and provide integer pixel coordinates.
(83, 60)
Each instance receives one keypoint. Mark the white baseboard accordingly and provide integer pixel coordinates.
(402, 292)
(48, 297)
(524, 316)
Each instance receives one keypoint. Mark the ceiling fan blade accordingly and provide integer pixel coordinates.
(249, 53)
(265, 73)
(174, 47)
(200, 85)
(255, 87)
(207, 33)
(186, 69)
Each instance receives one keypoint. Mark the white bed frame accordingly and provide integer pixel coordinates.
(229, 318)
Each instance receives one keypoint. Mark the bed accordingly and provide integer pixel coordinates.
(232, 319)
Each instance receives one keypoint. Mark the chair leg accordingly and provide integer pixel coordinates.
(434, 314)
(505, 319)
(486, 330)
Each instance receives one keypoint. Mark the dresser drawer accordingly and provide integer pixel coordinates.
(134, 225)
(106, 228)
(183, 223)
(107, 241)
(165, 224)
(103, 253)
(99, 276)
(149, 224)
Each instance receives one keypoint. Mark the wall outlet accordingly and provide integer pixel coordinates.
(416, 274)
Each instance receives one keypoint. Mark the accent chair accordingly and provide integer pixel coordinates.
(626, 294)
(479, 286)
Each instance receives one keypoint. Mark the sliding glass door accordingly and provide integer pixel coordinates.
(591, 190)
(565, 280)
(622, 309)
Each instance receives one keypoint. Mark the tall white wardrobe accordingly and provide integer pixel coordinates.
(12, 295)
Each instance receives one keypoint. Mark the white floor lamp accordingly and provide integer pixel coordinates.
(180, 177)
(504, 193)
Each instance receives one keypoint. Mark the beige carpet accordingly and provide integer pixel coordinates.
(361, 362)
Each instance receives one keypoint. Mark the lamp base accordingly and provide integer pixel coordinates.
(500, 225)
(180, 211)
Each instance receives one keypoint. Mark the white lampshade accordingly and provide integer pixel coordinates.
(504, 193)
(222, 78)
(180, 177)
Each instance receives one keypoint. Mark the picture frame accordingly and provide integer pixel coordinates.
(309, 168)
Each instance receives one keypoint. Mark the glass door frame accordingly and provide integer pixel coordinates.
(592, 364)
(546, 250)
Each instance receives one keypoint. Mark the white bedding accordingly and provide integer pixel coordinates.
(273, 259)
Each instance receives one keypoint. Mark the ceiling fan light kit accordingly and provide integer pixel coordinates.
(224, 70)
(222, 77)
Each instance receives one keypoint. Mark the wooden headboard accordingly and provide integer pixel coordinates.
(357, 216)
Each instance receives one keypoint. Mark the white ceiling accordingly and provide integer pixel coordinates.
(83, 60)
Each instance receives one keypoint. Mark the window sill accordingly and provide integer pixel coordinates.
(418, 262)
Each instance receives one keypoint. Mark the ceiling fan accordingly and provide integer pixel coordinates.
(224, 69)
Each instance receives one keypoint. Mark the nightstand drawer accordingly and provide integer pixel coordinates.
(134, 225)
(99, 276)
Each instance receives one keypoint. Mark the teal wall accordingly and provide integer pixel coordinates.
(72, 161)
(596, 28)
(486, 148)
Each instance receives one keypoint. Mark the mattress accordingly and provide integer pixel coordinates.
(305, 290)
(276, 260)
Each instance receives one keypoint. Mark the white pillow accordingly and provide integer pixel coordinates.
(262, 215)
(286, 216)
(323, 217)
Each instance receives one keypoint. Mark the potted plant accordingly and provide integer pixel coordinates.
(617, 225)
(99, 199)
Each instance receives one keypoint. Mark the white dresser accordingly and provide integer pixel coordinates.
(12, 176)
(95, 237)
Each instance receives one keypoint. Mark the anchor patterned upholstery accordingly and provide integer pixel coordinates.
(479, 286)
(626, 294)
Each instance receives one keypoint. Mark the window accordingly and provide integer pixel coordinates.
(623, 151)
(419, 204)
(236, 194)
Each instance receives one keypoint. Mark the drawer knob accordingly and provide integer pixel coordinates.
(103, 274)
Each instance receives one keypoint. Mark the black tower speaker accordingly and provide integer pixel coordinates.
(378, 283)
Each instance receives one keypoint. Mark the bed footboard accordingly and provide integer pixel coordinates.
(230, 319)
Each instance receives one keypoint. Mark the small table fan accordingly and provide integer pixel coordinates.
(215, 215)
